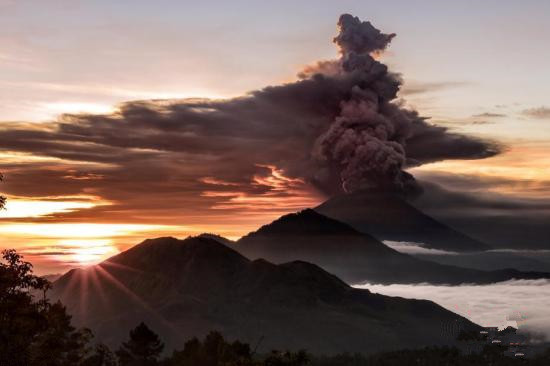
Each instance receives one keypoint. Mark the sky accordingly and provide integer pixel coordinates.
(476, 68)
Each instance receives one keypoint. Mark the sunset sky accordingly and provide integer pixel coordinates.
(69, 68)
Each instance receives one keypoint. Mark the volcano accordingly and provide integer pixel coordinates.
(186, 288)
(389, 216)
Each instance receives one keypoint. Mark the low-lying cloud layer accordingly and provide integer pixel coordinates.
(520, 303)
(338, 128)
(496, 259)
(415, 248)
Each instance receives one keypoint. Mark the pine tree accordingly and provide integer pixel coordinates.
(213, 351)
(142, 349)
(59, 343)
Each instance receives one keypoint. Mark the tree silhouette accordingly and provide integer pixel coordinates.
(102, 356)
(287, 358)
(20, 318)
(59, 343)
(142, 349)
(34, 332)
(213, 351)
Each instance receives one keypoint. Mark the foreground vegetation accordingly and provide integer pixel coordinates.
(35, 332)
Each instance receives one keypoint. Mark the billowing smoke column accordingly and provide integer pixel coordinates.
(366, 142)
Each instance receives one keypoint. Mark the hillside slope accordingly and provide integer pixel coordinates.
(390, 217)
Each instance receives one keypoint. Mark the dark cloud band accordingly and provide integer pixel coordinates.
(337, 128)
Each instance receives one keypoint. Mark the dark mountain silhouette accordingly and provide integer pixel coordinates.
(185, 288)
(388, 216)
(354, 256)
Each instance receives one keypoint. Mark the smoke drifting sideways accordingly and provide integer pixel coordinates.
(339, 128)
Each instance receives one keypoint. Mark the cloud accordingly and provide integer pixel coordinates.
(537, 113)
(490, 115)
(415, 248)
(520, 303)
(482, 122)
(415, 87)
(521, 251)
(428, 145)
(276, 149)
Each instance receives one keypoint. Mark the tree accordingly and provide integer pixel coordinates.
(213, 351)
(102, 356)
(142, 349)
(21, 319)
(287, 358)
(34, 332)
(59, 343)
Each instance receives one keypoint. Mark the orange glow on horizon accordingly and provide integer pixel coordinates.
(20, 208)
(527, 167)
(58, 247)
(79, 230)
(297, 194)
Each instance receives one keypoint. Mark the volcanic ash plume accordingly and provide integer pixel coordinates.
(366, 142)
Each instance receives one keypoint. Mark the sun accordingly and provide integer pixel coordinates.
(87, 252)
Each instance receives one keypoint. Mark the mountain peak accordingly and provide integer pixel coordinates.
(170, 255)
(391, 217)
(218, 238)
(305, 222)
(315, 238)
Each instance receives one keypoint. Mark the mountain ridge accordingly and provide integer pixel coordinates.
(292, 305)
(354, 256)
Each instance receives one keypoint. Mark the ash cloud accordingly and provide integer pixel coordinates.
(338, 128)
(373, 139)
(359, 38)
(472, 205)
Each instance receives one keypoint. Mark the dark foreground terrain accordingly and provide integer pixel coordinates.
(37, 332)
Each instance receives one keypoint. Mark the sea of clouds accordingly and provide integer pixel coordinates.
(520, 303)
(520, 259)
